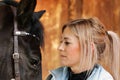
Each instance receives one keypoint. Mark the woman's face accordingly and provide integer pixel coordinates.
(69, 49)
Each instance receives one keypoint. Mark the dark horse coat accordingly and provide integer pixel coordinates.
(29, 46)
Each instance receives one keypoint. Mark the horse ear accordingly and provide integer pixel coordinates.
(39, 14)
(25, 10)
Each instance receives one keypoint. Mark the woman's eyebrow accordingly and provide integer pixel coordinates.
(66, 38)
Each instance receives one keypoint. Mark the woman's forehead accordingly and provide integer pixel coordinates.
(68, 34)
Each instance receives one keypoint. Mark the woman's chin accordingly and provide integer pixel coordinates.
(63, 63)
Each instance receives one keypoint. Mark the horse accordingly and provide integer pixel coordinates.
(30, 35)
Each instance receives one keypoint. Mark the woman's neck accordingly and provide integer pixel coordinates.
(79, 69)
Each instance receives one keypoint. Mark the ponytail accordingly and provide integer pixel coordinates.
(115, 51)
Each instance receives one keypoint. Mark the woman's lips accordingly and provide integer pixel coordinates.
(63, 56)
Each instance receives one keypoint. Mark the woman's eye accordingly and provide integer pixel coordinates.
(67, 43)
(64, 42)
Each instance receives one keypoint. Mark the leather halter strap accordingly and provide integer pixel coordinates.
(16, 53)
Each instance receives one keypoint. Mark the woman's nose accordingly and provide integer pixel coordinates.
(61, 47)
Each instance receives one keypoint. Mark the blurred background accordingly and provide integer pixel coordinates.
(59, 12)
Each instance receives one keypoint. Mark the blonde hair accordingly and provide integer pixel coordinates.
(96, 44)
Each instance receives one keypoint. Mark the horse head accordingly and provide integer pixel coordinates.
(28, 46)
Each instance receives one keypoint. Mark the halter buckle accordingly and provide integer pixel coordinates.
(16, 56)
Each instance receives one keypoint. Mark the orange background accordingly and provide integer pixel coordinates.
(59, 12)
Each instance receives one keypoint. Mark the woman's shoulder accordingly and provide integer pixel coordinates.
(58, 73)
(99, 73)
(59, 70)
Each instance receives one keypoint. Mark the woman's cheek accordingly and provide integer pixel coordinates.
(74, 53)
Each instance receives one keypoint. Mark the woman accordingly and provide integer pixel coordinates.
(84, 45)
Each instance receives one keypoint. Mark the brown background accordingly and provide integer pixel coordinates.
(59, 12)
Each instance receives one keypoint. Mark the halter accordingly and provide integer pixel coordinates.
(16, 53)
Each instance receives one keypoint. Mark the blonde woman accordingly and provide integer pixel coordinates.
(85, 45)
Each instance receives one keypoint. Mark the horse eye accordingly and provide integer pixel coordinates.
(34, 62)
